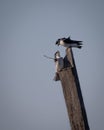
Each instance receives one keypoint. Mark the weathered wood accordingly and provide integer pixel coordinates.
(69, 56)
(72, 100)
(73, 96)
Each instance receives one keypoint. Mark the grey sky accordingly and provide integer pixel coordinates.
(29, 98)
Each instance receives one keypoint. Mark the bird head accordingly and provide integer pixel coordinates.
(58, 42)
(57, 54)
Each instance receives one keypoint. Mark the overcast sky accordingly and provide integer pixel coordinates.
(29, 98)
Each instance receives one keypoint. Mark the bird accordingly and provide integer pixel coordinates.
(67, 42)
(59, 65)
(59, 62)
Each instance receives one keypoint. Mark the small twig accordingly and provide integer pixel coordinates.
(48, 57)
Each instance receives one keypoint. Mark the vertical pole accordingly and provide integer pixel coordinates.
(73, 96)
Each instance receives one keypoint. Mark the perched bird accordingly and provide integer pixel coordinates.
(67, 42)
(59, 65)
(59, 62)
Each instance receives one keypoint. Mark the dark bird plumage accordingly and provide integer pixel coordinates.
(67, 42)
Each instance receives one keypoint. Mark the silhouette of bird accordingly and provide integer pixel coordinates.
(67, 42)
(58, 61)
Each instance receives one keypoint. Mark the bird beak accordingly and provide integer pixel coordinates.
(57, 43)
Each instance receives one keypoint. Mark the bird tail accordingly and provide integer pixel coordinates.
(80, 42)
(79, 47)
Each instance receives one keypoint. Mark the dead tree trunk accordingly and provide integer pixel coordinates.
(73, 96)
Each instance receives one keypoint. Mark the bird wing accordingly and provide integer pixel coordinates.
(75, 41)
(67, 40)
